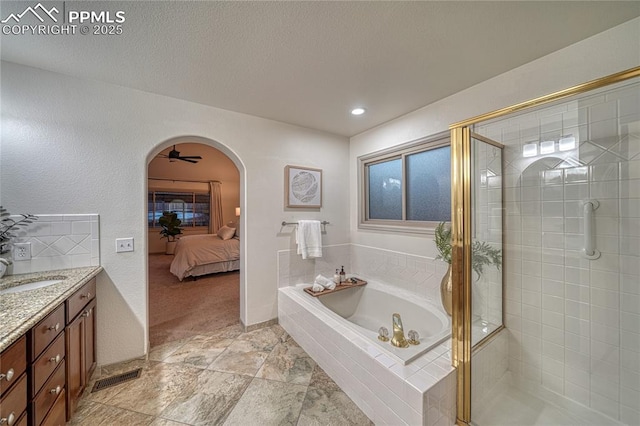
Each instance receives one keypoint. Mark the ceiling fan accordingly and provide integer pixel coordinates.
(175, 155)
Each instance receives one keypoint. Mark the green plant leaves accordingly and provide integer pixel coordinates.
(483, 254)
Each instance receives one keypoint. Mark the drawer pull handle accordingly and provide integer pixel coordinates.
(54, 327)
(8, 375)
(86, 313)
(55, 359)
(8, 420)
(56, 391)
(85, 296)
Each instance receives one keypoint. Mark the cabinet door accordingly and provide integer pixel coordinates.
(81, 355)
(75, 371)
(90, 340)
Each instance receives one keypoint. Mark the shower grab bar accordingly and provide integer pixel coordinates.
(589, 251)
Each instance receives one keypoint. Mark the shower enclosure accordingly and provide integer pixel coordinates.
(551, 333)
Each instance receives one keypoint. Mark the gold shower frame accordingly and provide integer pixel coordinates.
(461, 135)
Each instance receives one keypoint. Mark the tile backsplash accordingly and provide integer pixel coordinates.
(409, 272)
(59, 242)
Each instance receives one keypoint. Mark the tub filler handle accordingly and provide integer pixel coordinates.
(383, 334)
(398, 340)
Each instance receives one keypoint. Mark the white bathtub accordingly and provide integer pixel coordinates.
(413, 386)
(370, 307)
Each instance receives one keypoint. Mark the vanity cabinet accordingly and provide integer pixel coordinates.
(13, 384)
(44, 372)
(80, 342)
(46, 354)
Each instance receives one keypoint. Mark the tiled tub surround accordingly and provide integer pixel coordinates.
(419, 274)
(421, 392)
(574, 323)
(292, 269)
(60, 241)
(21, 311)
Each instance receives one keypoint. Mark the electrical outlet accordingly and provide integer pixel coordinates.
(124, 244)
(21, 251)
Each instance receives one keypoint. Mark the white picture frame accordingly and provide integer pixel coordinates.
(303, 187)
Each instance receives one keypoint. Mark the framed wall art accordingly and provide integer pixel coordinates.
(303, 187)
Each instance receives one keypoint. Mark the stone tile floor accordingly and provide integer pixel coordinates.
(226, 377)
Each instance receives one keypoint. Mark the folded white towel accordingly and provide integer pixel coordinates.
(316, 288)
(309, 238)
(324, 282)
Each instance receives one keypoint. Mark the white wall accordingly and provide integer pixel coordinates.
(606, 53)
(76, 146)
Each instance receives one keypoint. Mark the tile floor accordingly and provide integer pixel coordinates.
(226, 377)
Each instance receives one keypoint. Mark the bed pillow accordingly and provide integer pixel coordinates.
(226, 233)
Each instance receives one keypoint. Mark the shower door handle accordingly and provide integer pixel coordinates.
(589, 251)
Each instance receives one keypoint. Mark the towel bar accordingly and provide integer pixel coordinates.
(324, 222)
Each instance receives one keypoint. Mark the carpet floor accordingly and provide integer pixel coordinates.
(179, 310)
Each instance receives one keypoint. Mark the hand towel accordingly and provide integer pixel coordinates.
(309, 238)
(317, 288)
(324, 282)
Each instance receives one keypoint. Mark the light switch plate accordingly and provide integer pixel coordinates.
(21, 251)
(124, 244)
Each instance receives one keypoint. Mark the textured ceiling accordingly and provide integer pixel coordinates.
(309, 63)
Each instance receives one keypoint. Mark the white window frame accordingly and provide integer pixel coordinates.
(398, 151)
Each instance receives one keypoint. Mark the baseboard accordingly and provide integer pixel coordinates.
(259, 325)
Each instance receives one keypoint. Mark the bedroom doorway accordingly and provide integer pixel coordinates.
(194, 274)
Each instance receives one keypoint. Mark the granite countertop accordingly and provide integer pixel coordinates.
(21, 311)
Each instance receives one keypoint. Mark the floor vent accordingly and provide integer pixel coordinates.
(116, 380)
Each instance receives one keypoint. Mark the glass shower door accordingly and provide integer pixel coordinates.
(486, 256)
(570, 191)
(486, 242)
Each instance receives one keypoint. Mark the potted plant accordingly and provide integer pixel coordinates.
(170, 228)
(8, 226)
(483, 255)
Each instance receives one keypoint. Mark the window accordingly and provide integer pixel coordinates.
(407, 188)
(192, 207)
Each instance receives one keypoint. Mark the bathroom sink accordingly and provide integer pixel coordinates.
(31, 286)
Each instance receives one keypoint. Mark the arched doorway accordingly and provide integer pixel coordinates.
(181, 304)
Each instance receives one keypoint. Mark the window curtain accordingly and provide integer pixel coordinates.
(215, 209)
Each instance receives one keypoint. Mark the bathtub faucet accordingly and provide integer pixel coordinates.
(398, 339)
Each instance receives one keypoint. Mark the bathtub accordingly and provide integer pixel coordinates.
(413, 386)
(370, 307)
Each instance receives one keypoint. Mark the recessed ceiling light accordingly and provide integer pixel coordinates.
(358, 111)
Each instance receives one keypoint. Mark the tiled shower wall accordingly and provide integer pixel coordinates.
(409, 272)
(60, 242)
(574, 323)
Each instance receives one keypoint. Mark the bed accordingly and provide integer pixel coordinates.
(197, 255)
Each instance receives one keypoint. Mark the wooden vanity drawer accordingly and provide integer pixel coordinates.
(14, 402)
(48, 395)
(22, 421)
(46, 331)
(79, 299)
(13, 362)
(46, 363)
(58, 414)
